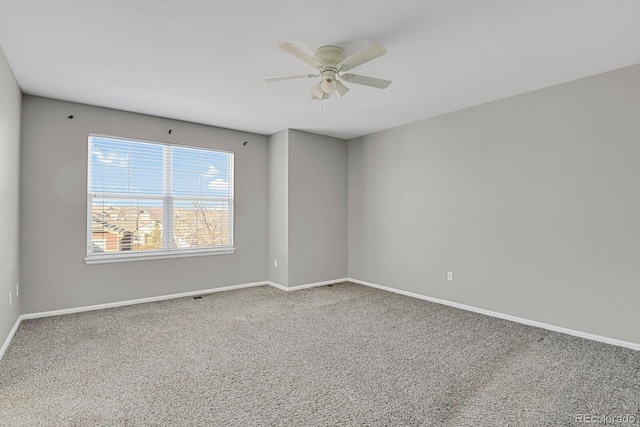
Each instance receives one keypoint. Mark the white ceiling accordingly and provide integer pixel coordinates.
(204, 61)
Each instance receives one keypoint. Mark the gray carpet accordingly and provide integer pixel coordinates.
(338, 355)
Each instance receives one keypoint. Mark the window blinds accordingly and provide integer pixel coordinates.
(147, 197)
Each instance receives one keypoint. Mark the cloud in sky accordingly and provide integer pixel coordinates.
(211, 171)
(111, 158)
(218, 184)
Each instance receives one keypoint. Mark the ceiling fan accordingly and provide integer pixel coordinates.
(332, 64)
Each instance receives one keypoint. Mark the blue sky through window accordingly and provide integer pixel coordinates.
(132, 167)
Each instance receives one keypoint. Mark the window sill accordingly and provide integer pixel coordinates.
(107, 259)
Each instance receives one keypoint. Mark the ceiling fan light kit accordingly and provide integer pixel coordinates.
(328, 83)
(332, 64)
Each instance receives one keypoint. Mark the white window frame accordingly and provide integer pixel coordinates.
(167, 224)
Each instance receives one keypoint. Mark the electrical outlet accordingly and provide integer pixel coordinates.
(450, 276)
(275, 263)
(10, 300)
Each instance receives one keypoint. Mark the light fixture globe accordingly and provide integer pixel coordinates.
(341, 90)
(328, 83)
(317, 91)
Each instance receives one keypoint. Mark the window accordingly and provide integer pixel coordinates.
(151, 200)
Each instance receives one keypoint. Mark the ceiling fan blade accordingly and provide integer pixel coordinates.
(341, 89)
(300, 54)
(293, 77)
(317, 91)
(369, 53)
(366, 81)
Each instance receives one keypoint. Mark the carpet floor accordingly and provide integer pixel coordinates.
(333, 355)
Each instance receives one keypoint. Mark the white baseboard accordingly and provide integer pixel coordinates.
(173, 296)
(593, 337)
(613, 341)
(10, 337)
(151, 299)
(138, 301)
(305, 286)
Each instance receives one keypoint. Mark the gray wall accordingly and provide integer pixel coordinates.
(307, 208)
(10, 99)
(317, 208)
(278, 208)
(53, 209)
(532, 201)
